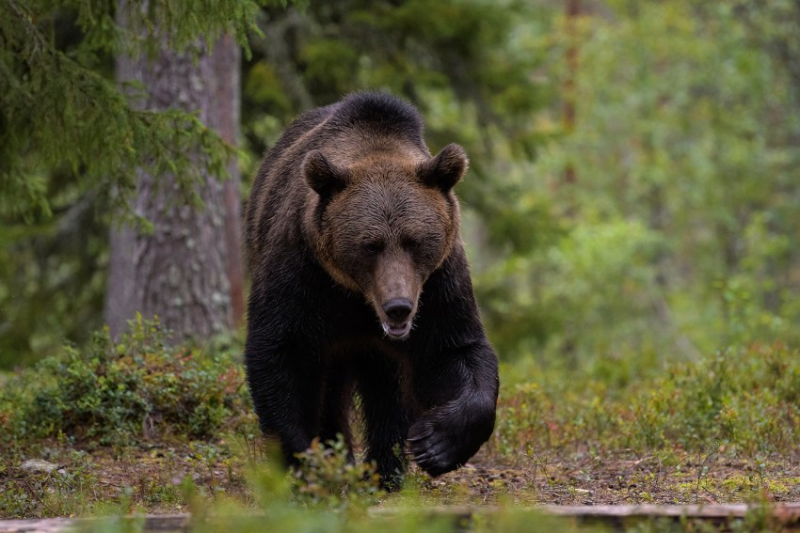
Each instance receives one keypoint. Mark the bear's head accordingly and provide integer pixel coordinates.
(383, 225)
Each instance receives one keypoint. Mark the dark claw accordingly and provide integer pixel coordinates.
(436, 462)
(424, 457)
(430, 453)
(428, 440)
(440, 444)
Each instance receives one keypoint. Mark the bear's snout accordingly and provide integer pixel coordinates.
(398, 313)
(394, 293)
(398, 309)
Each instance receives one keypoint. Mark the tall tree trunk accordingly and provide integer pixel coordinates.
(188, 270)
(572, 12)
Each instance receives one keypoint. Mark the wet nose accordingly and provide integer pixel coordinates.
(398, 309)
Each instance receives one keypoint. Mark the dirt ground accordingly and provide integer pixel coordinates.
(626, 479)
(151, 478)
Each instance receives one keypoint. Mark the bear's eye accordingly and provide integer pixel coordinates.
(373, 248)
(411, 244)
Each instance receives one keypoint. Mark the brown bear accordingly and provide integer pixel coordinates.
(360, 284)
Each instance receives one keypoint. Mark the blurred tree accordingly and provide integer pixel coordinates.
(186, 268)
(467, 64)
(680, 232)
(470, 65)
(69, 141)
(573, 12)
(686, 128)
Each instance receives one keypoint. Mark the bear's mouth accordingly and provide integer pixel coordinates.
(396, 332)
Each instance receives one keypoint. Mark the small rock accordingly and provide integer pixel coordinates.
(38, 465)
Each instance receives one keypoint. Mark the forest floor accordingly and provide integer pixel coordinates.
(142, 428)
(152, 479)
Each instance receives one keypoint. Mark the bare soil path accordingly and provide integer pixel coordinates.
(150, 478)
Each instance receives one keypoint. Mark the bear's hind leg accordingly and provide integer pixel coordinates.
(387, 420)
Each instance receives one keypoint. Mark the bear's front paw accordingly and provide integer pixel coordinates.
(445, 439)
(434, 450)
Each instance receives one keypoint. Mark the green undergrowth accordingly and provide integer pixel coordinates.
(277, 504)
(740, 401)
(746, 400)
(124, 393)
(179, 421)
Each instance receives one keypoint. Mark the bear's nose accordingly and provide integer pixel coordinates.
(398, 309)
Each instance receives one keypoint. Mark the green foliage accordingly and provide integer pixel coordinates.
(678, 236)
(329, 477)
(676, 131)
(743, 400)
(278, 511)
(459, 57)
(52, 276)
(61, 492)
(679, 224)
(70, 144)
(742, 404)
(588, 292)
(60, 110)
(122, 393)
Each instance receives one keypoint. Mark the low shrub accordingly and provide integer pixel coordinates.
(746, 400)
(120, 393)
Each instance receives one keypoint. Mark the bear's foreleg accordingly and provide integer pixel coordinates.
(386, 417)
(459, 392)
(286, 392)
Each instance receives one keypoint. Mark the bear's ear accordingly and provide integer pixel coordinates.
(445, 169)
(322, 175)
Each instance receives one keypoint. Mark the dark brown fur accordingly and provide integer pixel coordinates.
(352, 237)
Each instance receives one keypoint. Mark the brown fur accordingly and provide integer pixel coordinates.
(369, 172)
(415, 238)
(352, 236)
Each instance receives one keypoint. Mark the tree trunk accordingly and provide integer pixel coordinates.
(188, 270)
(572, 12)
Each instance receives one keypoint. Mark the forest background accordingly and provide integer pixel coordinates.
(633, 193)
(630, 214)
